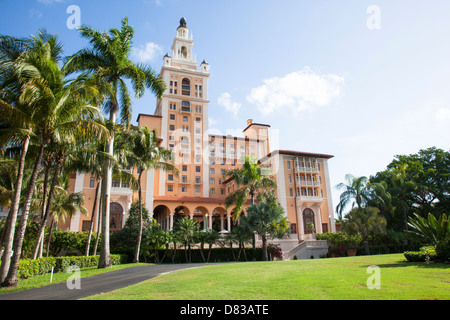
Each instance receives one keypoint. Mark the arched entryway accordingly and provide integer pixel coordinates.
(309, 224)
(115, 217)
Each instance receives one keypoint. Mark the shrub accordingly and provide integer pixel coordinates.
(32, 268)
(443, 250)
(425, 254)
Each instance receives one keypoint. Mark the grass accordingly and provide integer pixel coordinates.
(44, 280)
(330, 279)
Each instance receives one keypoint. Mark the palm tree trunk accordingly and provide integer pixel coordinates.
(12, 217)
(264, 247)
(139, 238)
(105, 258)
(99, 224)
(44, 198)
(47, 210)
(91, 225)
(11, 279)
(49, 238)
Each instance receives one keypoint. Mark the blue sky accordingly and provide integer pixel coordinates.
(316, 71)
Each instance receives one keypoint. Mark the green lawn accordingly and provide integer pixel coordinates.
(334, 278)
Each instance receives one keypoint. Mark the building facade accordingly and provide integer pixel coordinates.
(199, 191)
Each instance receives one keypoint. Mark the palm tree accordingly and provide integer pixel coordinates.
(108, 60)
(60, 109)
(147, 155)
(185, 230)
(266, 218)
(241, 235)
(251, 182)
(365, 221)
(16, 129)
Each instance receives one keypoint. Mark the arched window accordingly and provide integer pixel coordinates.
(186, 87)
(308, 221)
(115, 217)
(183, 52)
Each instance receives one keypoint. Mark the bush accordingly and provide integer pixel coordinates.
(217, 255)
(443, 250)
(32, 268)
(425, 254)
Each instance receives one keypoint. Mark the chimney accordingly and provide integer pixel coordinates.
(249, 122)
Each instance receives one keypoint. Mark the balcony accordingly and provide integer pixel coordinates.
(304, 183)
(299, 169)
(311, 199)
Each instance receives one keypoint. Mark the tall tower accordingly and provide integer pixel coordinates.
(184, 111)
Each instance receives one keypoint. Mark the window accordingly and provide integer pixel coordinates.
(198, 131)
(212, 191)
(184, 189)
(170, 188)
(185, 106)
(198, 179)
(289, 165)
(184, 168)
(171, 127)
(197, 169)
(212, 181)
(92, 182)
(197, 190)
(197, 120)
(185, 119)
(170, 177)
(293, 228)
(185, 87)
(211, 171)
(222, 191)
(172, 116)
(184, 179)
(115, 183)
(290, 178)
(308, 221)
(291, 193)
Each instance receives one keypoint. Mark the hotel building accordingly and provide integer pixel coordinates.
(199, 191)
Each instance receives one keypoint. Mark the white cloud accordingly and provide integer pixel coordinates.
(296, 91)
(443, 114)
(225, 101)
(148, 53)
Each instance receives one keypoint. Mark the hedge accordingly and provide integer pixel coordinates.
(425, 253)
(217, 255)
(30, 268)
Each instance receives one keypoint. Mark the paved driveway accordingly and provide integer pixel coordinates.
(105, 282)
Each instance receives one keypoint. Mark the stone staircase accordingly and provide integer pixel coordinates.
(306, 250)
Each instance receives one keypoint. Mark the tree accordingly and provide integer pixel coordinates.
(185, 230)
(108, 59)
(359, 192)
(266, 219)
(366, 221)
(61, 107)
(430, 230)
(241, 235)
(252, 183)
(418, 183)
(147, 154)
